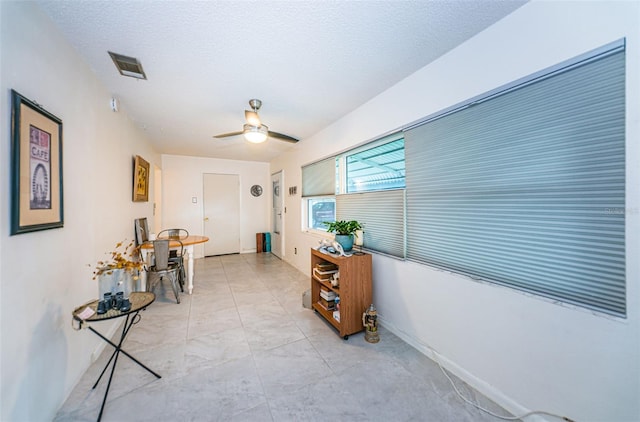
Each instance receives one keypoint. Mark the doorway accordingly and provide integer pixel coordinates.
(277, 220)
(221, 203)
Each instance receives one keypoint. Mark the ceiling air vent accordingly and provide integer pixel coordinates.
(128, 66)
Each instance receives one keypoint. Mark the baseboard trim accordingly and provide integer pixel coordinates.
(478, 384)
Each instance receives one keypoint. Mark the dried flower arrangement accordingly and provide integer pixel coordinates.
(127, 259)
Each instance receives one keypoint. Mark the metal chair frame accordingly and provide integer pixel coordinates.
(176, 234)
(164, 267)
(173, 234)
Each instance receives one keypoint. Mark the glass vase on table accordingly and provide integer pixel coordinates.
(115, 286)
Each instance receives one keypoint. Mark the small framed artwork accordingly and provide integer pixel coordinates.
(36, 167)
(140, 180)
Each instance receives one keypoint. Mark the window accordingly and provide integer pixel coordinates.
(377, 168)
(319, 211)
(523, 187)
(372, 193)
(318, 192)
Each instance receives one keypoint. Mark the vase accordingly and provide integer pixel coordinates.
(345, 240)
(116, 280)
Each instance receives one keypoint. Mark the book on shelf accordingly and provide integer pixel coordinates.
(326, 266)
(327, 294)
(321, 277)
(329, 305)
(324, 275)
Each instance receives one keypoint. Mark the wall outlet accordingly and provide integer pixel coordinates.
(295, 251)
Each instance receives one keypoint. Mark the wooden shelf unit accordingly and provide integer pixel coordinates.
(354, 290)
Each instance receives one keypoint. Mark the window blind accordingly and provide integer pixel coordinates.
(527, 188)
(382, 214)
(319, 178)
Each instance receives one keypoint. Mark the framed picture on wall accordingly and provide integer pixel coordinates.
(140, 180)
(36, 167)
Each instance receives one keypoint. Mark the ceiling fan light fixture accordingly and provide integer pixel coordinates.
(255, 134)
(254, 131)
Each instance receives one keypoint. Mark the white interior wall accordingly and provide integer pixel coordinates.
(45, 275)
(183, 180)
(525, 352)
(575, 363)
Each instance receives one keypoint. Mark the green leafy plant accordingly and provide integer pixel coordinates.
(343, 227)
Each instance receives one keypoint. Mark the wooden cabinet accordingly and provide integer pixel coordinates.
(354, 290)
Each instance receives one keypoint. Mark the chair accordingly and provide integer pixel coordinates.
(176, 234)
(142, 231)
(163, 267)
(173, 234)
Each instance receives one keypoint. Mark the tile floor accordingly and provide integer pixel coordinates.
(242, 348)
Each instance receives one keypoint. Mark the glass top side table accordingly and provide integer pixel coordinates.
(86, 314)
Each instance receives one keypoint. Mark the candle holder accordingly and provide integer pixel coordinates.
(358, 242)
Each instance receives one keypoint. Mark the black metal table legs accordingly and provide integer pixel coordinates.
(114, 357)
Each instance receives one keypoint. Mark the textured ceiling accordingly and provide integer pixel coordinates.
(310, 62)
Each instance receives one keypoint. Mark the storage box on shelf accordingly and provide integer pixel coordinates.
(353, 291)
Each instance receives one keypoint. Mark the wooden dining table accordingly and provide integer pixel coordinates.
(188, 243)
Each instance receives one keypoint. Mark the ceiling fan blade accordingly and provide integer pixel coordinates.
(226, 135)
(252, 118)
(282, 137)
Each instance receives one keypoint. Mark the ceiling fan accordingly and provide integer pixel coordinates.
(254, 131)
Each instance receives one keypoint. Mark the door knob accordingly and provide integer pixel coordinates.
(206, 219)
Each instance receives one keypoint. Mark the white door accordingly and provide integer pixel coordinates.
(221, 201)
(277, 216)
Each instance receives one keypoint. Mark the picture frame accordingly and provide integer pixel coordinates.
(37, 201)
(140, 180)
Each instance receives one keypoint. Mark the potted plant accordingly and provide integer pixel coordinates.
(344, 231)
